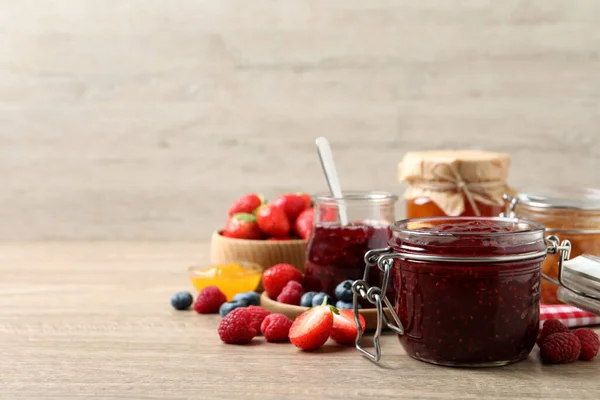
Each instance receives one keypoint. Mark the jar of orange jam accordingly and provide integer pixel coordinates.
(454, 183)
(572, 214)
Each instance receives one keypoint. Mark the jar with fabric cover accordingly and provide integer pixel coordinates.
(454, 183)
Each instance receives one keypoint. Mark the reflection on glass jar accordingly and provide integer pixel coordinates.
(468, 312)
(572, 214)
(336, 252)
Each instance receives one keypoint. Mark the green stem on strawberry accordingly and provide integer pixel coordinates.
(332, 308)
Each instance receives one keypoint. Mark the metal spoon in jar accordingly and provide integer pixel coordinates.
(326, 157)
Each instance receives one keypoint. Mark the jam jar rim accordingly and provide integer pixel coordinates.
(401, 226)
(586, 198)
(356, 195)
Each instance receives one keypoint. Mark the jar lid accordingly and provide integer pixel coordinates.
(451, 177)
(581, 279)
(562, 197)
(443, 165)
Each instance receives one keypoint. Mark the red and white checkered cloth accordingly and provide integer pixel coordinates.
(568, 315)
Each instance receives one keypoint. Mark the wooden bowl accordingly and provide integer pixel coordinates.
(290, 311)
(265, 253)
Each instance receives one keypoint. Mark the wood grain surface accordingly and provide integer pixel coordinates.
(144, 119)
(93, 320)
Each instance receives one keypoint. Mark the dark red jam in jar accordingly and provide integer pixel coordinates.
(473, 299)
(344, 230)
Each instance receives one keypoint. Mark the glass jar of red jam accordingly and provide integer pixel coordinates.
(468, 288)
(344, 229)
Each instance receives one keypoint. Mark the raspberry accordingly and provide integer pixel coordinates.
(276, 328)
(589, 343)
(293, 285)
(276, 277)
(209, 300)
(257, 315)
(291, 293)
(551, 326)
(560, 348)
(235, 327)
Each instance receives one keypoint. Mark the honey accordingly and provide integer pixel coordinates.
(231, 278)
(425, 207)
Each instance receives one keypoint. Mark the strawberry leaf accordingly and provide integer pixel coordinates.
(245, 217)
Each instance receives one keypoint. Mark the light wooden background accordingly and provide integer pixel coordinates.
(143, 119)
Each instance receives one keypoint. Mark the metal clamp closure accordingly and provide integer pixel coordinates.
(564, 251)
(383, 259)
(510, 208)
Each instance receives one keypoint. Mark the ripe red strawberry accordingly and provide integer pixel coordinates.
(560, 348)
(304, 223)
(276, 327)
(306, 198)
(209, 300)
(275, 278)
(589, 343)
(248, 203)
(242, 226)
(551, 326)
(291, 204)
(235, 328)
(344, 328)
(273, 221)
(257, 315)
(291, 293)
(312, 328)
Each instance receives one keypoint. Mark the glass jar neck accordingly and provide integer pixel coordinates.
(560, 218)
(358, 207)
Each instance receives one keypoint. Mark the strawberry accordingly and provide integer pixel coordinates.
(304, 223)
(272, 220)
(307, 199)
(312, 328)
(274, 279)
(246, 204)
(291, 204)
(344, 328)
(242, 226)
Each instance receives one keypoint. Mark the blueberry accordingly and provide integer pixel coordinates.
(307, 298)
(343, 305)
(343, 291)
(248, 298)
(182, 300)
(318, 299)
(228, 307)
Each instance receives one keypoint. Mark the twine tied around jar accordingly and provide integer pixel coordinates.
(473, 191)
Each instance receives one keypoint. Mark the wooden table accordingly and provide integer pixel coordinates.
(94, 320)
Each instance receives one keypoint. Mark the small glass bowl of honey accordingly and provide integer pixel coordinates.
(232, 278)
